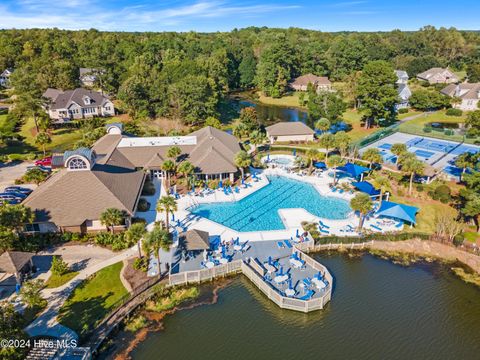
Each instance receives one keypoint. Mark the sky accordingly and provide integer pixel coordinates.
(225, 15)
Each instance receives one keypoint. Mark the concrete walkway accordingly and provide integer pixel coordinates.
(46, 324)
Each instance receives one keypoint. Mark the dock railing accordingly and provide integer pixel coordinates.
(197, 276)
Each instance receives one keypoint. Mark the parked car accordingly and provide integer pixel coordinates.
(18, 195)
(7, 196)
(18, 189)
(44, 162)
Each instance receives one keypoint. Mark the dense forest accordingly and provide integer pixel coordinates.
(186, 75)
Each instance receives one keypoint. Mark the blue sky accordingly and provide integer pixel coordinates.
(223, 15)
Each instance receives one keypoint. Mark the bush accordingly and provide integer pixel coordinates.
(115, 241)
(148, 188)
(427, 129)
(442, 193)
(449, 132)
(458, 239)
(454, 112)
(59, 267)
(143, 205)
(369, 237)
(140, 264)
(403, 111)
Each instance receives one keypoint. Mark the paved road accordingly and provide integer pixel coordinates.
(10, 172)
(46, 324)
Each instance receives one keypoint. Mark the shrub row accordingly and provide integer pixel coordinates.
(333, 239)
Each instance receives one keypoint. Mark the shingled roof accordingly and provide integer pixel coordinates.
(63, 99)
(289, 128)
(196, 240)
(12, 262)
(304, 80)
(464, 91)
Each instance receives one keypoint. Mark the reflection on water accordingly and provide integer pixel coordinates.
(378, 311)
(269, 114)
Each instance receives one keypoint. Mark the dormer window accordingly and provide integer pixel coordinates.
(77, 163)
(87, 100)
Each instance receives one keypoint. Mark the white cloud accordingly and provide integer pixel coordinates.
(85, 14)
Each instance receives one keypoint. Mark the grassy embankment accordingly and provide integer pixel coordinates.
(93, 299)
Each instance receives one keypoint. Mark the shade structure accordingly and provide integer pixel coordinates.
(366, 187)
(398, 211)
(320, 165)
(196, 240)
(353, 170)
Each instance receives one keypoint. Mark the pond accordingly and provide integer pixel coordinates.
(269, 114)
(378, 311)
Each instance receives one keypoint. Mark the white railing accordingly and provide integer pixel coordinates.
(198, 276)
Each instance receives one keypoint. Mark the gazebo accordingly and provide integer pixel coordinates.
(354, 170)
(398, 211)
(366, 187)
(16, 263)
(196, 240)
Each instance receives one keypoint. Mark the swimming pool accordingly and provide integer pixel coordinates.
(259, 211)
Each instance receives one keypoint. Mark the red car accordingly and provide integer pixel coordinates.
(44, 162)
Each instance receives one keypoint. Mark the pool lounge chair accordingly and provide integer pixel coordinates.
(399, 224)
(288, 243)
(280, 244)
(307, 282)
(323, 225)
(376, 227)
(324, 231)
(307, 296)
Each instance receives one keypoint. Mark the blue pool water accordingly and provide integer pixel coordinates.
(259, 211)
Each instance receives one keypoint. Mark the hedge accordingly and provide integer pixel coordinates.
(333, 239)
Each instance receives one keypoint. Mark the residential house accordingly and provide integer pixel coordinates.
(88, 76)
(469, 95)
(289, 131)
(438, 76)
(320, 83)
(112, 174)
(80, 103)
(5, 77)
(403, 90)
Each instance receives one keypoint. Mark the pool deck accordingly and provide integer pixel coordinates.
(291, 218)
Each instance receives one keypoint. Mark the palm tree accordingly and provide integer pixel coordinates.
(242, 160)
(342, 142)
(43, 139)
(312, 155)
(398, 149)
(372, 155)
(167, 204)
(168, 166)
(464, 161)
(327, 141)
(411, 166)
(173, 153)
(363, 204)
(322, 124)
(134, 234)
(256, 138)
(155, 240)
(334, 162)
(383, 184)
(186, 168)
(111, 217)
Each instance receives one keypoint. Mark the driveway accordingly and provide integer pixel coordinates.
(11, 171)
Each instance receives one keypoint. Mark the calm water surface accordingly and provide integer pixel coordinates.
(378, 311)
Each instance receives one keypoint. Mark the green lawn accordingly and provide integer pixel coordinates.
(417, 126)
(93, 299)
(55, 281)
(291, 100)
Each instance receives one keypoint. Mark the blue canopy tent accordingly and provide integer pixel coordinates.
(320, 165)
(366, 187)
(398, 211)
(354, 170)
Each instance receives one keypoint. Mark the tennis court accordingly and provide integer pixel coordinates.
(440, 154)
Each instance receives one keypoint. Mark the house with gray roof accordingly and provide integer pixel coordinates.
(403, 90)
(89, 76)
(289, 131)
(469, 95)
(64, 106)
(5, 77)
(438, 76)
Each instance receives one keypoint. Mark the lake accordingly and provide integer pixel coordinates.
(378, 311)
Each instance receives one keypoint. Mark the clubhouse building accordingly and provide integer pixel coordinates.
(112, 173)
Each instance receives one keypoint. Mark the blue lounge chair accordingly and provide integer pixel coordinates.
(376, 227)
(287, 242)
(399, 225)
(280, 245)
(307, 296)
(324, 231)
(307, 282)
(341, 191)
(323, 225)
